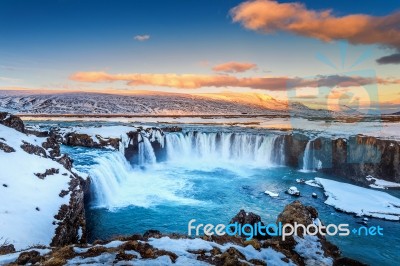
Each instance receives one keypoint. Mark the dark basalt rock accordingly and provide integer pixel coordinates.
(52, 146)
(66, 161)
(244, 217)
(6, 249)
(31, 257)
(48, 172)
(33, 149)
(4, 147)
(12, 121)
(84, 140)
(172, 129)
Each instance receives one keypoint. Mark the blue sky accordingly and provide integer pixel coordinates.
(43, 43)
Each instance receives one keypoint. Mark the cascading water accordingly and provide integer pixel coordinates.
(118, 183)
(146, 152)
(310, 163)
(254, 150)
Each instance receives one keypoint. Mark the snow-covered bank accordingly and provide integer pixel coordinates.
(382, 184)
(33, 188)
(361, 201)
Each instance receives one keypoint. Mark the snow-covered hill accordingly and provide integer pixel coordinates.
(37, 193)
(148, 103)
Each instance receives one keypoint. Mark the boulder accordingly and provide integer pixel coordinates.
(12, 121)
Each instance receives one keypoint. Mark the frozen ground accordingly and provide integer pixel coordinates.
(361, 201)
(28, 203)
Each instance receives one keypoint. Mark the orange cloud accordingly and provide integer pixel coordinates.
(270, 16)
(234, 67)
(193, 81)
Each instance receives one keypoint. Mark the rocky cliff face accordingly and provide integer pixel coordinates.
(354, 158)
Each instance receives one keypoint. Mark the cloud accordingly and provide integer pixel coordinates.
(193, 81)
(234, 67)
(270, 16)
(142, 38)
(390, 59)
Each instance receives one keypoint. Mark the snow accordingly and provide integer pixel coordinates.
(310, 249)
(361, 201)
(21, 224)
(313, 183)
(271, 194)
(182, 246)
(9, 258)
(381, 184)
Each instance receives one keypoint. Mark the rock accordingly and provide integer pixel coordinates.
(48, 172)
(5, 249)
(253, 242)
(152, 234)
(33, 149)
(293, 191)
(246, 218)
(4, 147)
(233, 257)
(94, 252)
(296, 212)
(52, 146)
(29, 257)
(84, 140)
(344, 261)
(123, 256)
(12, 121)
(172, 129)
(66, 161)
(71, 217)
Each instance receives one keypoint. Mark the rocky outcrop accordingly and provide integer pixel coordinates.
(71, 218)
(4, 147)
(84, 140)
(12, 121)
(295, 145)
(222, 250)
(354, 158)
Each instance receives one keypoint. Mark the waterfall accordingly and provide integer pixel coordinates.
(310, 163)
(238, 148)
(116, 184)
(111, 170)
(146, 152)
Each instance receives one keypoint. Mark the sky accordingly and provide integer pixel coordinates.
(315, 52)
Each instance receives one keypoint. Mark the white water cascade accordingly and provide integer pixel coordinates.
(237, 148)
(146, 152)
(310, 163)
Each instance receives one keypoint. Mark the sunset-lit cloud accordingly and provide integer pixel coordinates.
(270, 16)
(142, 38)
(234, 67)
(194, 81)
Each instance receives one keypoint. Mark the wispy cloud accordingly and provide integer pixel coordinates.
(270, 16)
(194, 81)
(234, 67)
(10, 80)
(142, 38)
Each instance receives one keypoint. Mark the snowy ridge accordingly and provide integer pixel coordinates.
(146, 103)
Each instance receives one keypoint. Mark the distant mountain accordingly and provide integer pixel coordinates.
(149, 103)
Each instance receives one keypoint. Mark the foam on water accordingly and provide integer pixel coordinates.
(116, 184)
